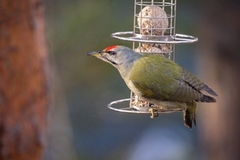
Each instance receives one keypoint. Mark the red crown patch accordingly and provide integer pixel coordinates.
(110, 47)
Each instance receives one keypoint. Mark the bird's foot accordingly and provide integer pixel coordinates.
(154, 112)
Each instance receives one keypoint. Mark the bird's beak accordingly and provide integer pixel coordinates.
(99, 54)
(94, 53)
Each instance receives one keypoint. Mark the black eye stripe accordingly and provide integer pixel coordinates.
(112, 52)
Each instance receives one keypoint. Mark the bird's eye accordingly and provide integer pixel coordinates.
(112, 52)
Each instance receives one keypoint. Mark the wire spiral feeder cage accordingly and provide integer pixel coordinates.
(153, 32)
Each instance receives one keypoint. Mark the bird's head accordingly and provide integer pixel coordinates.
(116, 55)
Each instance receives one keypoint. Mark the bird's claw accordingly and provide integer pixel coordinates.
(154, 112)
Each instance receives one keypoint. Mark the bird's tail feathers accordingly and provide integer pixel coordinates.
(189, 115)
(188, 119)
(206, 98)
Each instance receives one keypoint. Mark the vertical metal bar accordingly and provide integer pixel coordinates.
(134, 21)
(140, 27)
(174, 2)
(171, 18)
(163, 7)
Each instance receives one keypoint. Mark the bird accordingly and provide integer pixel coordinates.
(158, 80)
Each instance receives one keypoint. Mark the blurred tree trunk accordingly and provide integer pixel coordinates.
(24, 86)
(220, 63)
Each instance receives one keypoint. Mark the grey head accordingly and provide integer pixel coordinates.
(118, 56)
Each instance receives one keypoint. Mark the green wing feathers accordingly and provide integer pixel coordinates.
(168, 82)
(153, 79)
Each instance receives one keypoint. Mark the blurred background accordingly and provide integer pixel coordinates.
(80, 124)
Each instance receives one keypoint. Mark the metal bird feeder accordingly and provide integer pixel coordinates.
(153, 32)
